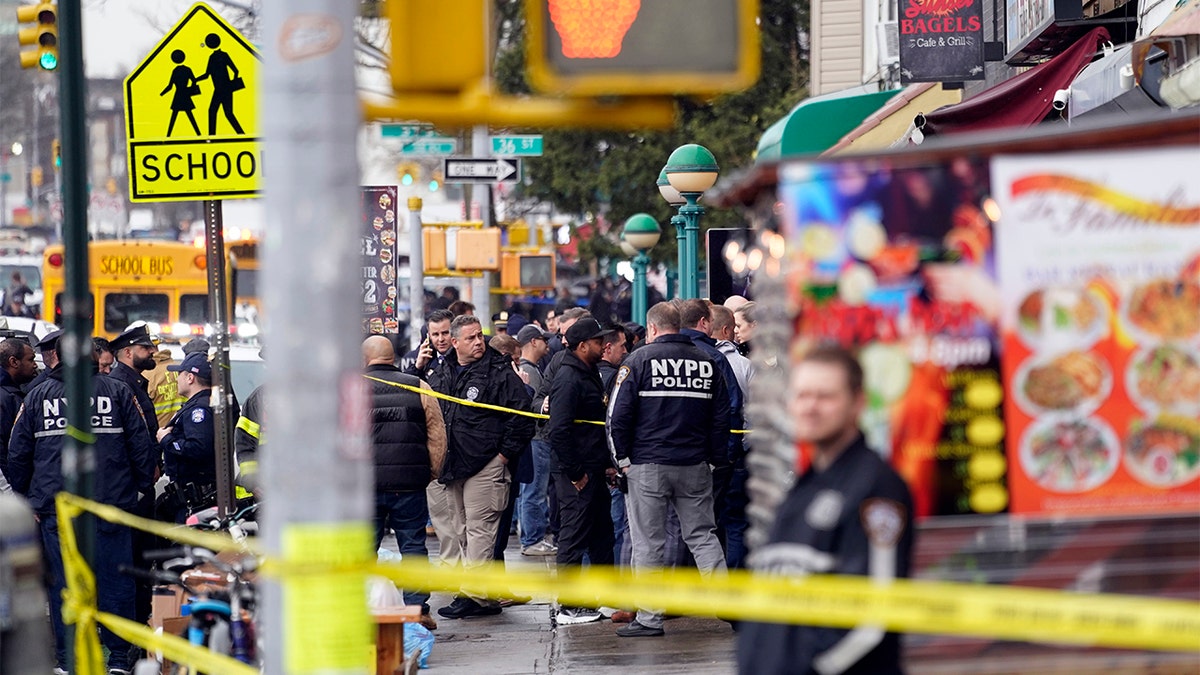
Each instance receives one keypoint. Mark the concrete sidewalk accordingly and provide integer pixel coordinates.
(521, 640)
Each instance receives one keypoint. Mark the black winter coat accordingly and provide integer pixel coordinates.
(398, 432)
(138, 384)
(474, 436)
(577, 393)
(10, 402)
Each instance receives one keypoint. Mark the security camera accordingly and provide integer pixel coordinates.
(1060, 99)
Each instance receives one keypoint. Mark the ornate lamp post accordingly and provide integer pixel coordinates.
(691, 170)
(641, 233)
(675, 200)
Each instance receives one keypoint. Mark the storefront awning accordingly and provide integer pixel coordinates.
(1020, 101)
(881, 128)
(817, 123)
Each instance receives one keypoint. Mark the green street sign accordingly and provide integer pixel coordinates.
(406, 130)
(440, 146)
(517, 146)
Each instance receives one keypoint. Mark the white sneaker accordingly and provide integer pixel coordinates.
(542, 548)
(60, 671)
(568, 616)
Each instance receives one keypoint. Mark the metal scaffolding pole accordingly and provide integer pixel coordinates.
(317, 475)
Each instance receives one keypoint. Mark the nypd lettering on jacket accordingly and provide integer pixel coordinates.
(54, 417)
(681, 375)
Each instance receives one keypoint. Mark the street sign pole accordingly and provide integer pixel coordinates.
(319, 474)
(222, 398)
(75, 346)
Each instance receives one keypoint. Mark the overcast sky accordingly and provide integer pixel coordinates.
(118, 34)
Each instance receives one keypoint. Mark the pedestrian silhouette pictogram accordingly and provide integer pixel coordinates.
(183, 81)
(218, 71)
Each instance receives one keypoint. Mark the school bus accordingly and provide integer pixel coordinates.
(164, 283)
(243, 266)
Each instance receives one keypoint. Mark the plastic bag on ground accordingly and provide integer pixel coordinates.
(418, 638)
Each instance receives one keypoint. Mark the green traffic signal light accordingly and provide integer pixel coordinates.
(433, 186)
(48, 61)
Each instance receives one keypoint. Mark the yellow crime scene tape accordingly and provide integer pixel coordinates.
(489, 406)
(912, 606)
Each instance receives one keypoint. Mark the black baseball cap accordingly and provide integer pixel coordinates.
(585, 329)
(530, 332)
(50, 341)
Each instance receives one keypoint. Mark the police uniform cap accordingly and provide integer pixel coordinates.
(585, 329)
(195, 363)
(531, 332)
(500, 319)
(50, 341)
(136, 334)
(197, 345)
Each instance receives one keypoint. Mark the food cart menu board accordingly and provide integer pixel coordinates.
(898, 264)
(379, 290)
(1099, 262)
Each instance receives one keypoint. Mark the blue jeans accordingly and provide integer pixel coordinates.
(622, 544)
(114, 591)
(406, 514)
(532, 507)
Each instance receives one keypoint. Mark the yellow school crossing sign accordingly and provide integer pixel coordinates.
(191, 114)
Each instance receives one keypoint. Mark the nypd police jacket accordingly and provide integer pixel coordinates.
(669, 405)
(125, 453)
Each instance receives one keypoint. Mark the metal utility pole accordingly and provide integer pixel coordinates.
(416, 273)
(481, 287)
(75, 346)
(222, 399)
(318, 473)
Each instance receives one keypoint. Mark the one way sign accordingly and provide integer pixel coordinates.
(481, 170)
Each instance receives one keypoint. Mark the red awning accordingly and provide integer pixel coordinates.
(1021, 101)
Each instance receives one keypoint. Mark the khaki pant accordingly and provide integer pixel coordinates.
(478, 502)
(445, 524)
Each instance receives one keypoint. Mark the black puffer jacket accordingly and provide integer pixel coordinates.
(577, 394)
(398, 432)
(475, 435)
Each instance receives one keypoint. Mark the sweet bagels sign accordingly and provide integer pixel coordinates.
(941, 41)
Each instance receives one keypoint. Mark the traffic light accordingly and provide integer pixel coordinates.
(407, 172)
(35, 176)
(435, 182)
(56, 151)
(438, 46)
(629, 47)
(43, 35)
(527, 271)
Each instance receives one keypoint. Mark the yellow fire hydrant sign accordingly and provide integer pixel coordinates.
(191, 114)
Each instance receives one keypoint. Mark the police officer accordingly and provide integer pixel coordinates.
(188, 442)
(48, 348)
(668, 421)
(134, 351)
(125, 451)
(17, 367)
(850, 513)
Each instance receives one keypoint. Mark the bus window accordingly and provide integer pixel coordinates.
(122, 309)
(246, 281)
(193, 309)
(58, 310)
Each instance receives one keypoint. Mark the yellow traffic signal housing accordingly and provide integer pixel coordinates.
(438, 45)
(527, 271)
(56, 151)
(35, 176)
(632, 47)
(408, 172)
(43, 35)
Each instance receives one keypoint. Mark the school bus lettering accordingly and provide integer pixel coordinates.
(199, 166)
(137, 265)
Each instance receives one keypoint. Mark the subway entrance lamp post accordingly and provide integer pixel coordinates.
(690, 170)
(641, 233)
(675, 200)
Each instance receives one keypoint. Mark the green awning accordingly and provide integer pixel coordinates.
(818, 123)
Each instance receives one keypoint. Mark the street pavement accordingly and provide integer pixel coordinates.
(521, 640)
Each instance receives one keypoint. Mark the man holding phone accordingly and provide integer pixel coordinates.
(436, 346)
